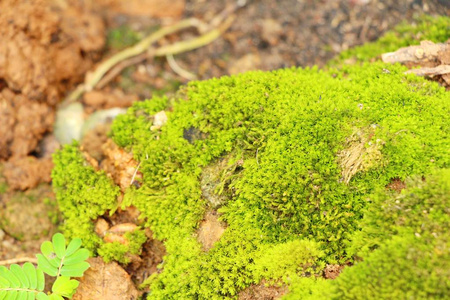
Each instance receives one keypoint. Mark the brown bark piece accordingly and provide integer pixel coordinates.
(425, 54)
(439, 70)
(105, 281)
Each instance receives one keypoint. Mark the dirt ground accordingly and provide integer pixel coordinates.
(48, 46)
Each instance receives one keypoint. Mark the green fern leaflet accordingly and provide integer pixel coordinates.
(57, 260)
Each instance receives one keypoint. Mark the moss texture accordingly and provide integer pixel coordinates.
(293, 131)
(410, 233)
(435, 29)
(309, 154)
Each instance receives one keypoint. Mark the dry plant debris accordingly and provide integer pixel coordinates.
(120, 165)
(105, 281)
(433, 58)
(210, 230)
(360, 154)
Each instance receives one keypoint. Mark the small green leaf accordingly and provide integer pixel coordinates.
(47, 249)
(2, 294)
(55, 262)
(4, 272)
(40, 280)
(59, 244)
(64, 286)
(42, 296)
(21, 295)
(77, 257)
(15, 282)
(55, 297)
(30, 272)
(11, 295)
(4, 283)
(73, 246)
(75, 270)
(45, 266)
(20, 274)
(31, 296)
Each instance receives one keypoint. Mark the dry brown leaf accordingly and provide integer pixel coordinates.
(105, 281)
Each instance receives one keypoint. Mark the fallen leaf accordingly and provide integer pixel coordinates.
(105, 281)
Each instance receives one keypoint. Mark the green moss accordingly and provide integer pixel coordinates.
(421, 210)
(120, 252)
(286, 260)
(289, 130)
(82, 193)
(410, 232)
(308, 289)
(435, 29)
(297, 161)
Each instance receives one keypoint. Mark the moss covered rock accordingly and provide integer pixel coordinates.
(297, 163)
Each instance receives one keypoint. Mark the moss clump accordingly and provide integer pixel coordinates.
(411, 234)
(120, 251)
(287, 260)
(435, 29)
(83, 194)
(291, 130)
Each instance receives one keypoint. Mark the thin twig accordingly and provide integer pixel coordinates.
(209, 32)
(18, 261)
(135, 172)
(176, 48)
(93, 78)
(118, 69)
(179, 70)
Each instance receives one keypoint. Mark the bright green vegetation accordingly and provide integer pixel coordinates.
(56, 260)
(116, 251)
(286, 134)
(435, 29)
(410, 232)
(304, 158)
(83, 195)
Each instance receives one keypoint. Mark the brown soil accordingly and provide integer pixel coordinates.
(210, 230)
(397, 185)
(263, 292)
(333, 271)
(46, 47)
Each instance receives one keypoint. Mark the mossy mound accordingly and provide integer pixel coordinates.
(306, 147)
(300, 162)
